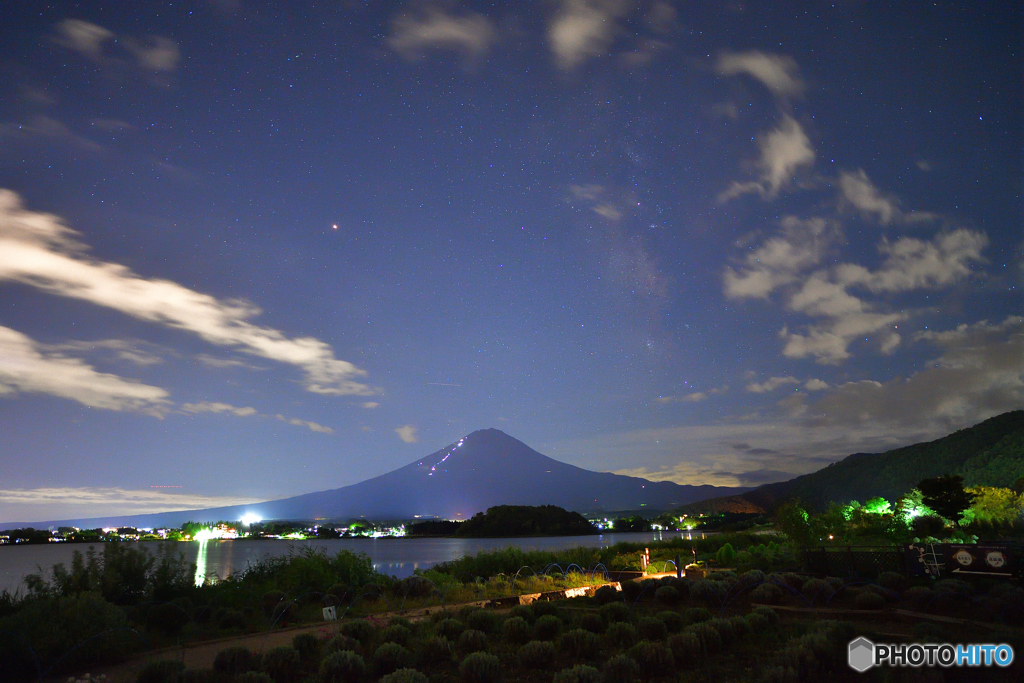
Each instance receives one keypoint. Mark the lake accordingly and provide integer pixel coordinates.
(395, 556)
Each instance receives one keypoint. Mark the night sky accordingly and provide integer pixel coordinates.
(251, 250)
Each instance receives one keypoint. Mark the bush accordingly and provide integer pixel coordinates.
(340, 643)
(197, 676)
(726, 556)
(631, 590)
(547, 627)
(686, 649)
(234, 660)
(56, 625)
(868, 600)
(710, 638)
(816, 590)
(606, 594)
(472, 640)
(516, 630)
(537, 654)
(480, 667)
(163, 671)
(767, 594)
(524, 612)
(725, 630)
(391, 657)
(282, 663)
(414, 587)
(653, 658)
(342, 667)
(578, 674)
(667, 595)
(230, 619)
(740, 626)
(253, 677)
(405, 676)
(757, 623)
(614, 612)
(695, 615)
(651, 628)
(396, 633)
(581, 644)
(167, 618)
(766, 612)
(450, 628)
(360, 629)
(544, 607)
(435, 651)
(621, 634)
(621, 669)
(308, 646)
(483, 620)
(919, 596)
(673, 621)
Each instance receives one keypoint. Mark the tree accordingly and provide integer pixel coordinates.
(992, 504)
(793, 520)
(946, 496)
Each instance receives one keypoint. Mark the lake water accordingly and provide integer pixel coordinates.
(395, 556)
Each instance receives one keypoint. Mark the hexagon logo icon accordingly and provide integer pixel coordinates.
(861, 654)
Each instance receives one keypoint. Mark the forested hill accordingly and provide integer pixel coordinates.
(990, 453)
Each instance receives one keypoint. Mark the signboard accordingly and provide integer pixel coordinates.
(951, 559)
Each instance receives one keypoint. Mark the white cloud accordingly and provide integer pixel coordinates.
(815, 385)
(132, 350)
(784, 150)
(83, 37)
(859, 192)
(27, 505)
(370, 405)
(216, 407)
(312, 426)
(978, 373)
(48, 129)
(771, 384)
(26, 366)
(608, 211)
(154, 52)
(779, 74)
(408, 434)
(95, 43)
(801, 245)
(582, 29)
(472, 34)
(36, 249)
(834, 296)
(912, 263)
(695, 397)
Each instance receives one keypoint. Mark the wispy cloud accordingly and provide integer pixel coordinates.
(408, 434)
(28, 505)
(46, 129)
(693, 397)
(472, 34)
(783, 152)
(217, 407)
(36, 249)
(27, 367)
(100, 45)
(779, 73)
(771, 384)
(134, 351)
(583, 29)
(858, 191)
(311, 426)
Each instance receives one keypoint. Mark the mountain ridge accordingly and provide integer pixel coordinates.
(483, 469)
(989, 453)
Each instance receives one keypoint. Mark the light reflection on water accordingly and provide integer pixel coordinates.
(395, 556)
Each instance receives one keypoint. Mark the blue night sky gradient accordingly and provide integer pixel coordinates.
(714, 243)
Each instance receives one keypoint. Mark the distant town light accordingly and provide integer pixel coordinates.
(249, 519)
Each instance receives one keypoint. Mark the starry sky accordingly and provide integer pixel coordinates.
(250, 250)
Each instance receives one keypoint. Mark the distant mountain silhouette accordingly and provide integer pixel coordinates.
(991, 453)
(484, 469)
